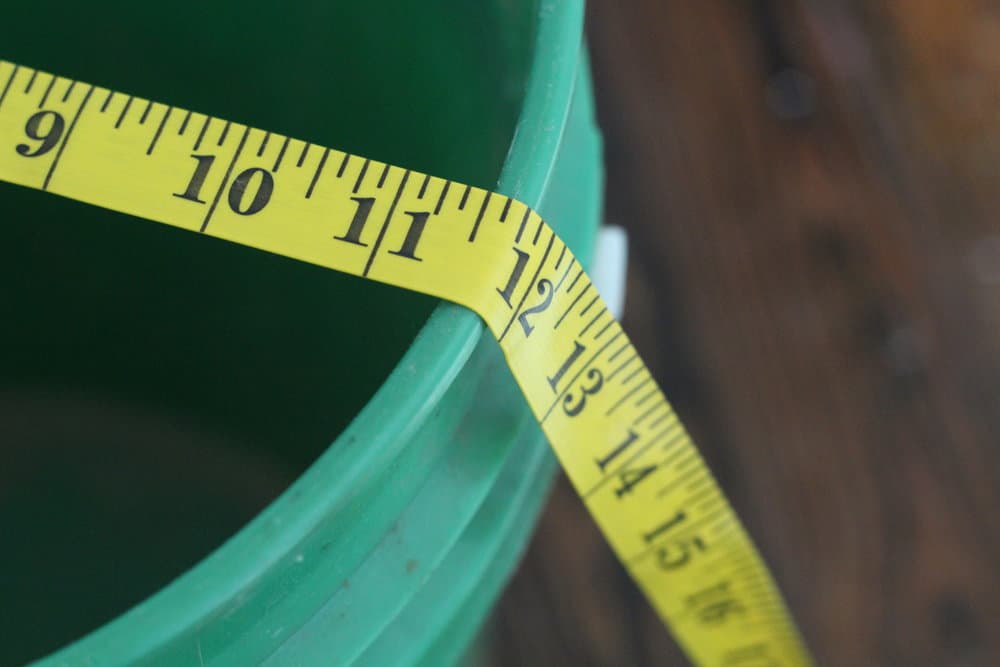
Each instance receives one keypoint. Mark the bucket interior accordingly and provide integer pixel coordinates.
(157, 388)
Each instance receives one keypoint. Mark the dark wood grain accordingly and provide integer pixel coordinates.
(812, 191)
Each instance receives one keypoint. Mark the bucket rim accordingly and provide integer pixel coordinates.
(409, 394)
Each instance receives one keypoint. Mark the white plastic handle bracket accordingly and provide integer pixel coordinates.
(608, 270)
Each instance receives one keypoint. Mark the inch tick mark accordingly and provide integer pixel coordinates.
(423, 186)
(10, 80)
(263, 144)
(48, 89)
(343, 164)
(589, 305)
(561, 255)
(121, 116)
(225, 179)
(385, 225)
(381, 178)
(69, 133)
(303, 154)
(441, 197)
(159, 130)
(524, 222)
(184, 124)
(506, 210)
(201, 133)
(319, 170)
(479, 216)
(593, 321)
(281, 154)
(573, 304)
(631, 392)
(361, 176)
(225, 131)
(107, 101)
(538, 231)
(31, 81)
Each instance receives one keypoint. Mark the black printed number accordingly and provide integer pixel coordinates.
(630, 438)
(418, 220)
(353, 234)
(242, 184)
(573, 405)
(44, 126)
(678, 553)
(515, 276)
(408, 249)
(197, 179)
(664, 527)
(545, 291)
(578, 349)
(544, 288)
(715, 604)
(254, 180)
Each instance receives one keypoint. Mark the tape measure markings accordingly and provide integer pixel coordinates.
(616, 435)
(48, 89)
(6, 86)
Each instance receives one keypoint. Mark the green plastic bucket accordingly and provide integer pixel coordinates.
(169, 493)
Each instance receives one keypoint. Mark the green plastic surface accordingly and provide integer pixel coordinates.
(158, 390)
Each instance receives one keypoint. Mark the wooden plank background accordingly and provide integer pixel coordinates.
(812, 190)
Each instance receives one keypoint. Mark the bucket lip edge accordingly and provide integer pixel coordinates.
(189, 601)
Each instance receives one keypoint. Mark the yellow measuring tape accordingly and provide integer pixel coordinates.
(614, 432)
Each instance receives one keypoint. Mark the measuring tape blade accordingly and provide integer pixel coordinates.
(618, 439)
